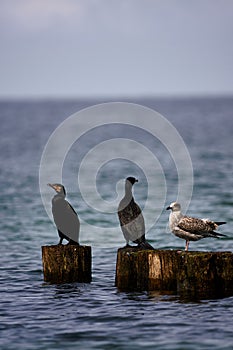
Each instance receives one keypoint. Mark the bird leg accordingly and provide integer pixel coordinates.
(187, 246)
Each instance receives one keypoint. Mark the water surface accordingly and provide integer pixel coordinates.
(35, 315)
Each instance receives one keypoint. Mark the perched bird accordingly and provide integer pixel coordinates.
(191, 229)
(131, 218)
(65, 217)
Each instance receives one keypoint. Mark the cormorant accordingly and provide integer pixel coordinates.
(65, 217)
(189, 228)
(131, 218)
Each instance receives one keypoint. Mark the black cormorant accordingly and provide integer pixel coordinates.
(131, 218)
(65, 217)
(189, 228)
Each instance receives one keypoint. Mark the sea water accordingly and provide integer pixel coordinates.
(37, 315)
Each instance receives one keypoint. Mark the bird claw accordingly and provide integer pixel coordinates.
(127, 246)
(72, 243)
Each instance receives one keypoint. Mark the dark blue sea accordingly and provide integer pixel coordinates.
(37, 315)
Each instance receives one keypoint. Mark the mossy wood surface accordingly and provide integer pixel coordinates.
(66, 263)
(202, 274)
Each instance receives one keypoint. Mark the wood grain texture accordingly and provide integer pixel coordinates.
(201, 274)
(66, 263)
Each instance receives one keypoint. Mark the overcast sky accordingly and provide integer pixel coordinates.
(76, 48)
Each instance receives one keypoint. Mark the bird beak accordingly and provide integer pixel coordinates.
(136, 180)
(168, 208)
(50, 185)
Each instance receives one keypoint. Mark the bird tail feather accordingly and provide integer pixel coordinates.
(220, 222)
(145, 245)
(217, 234)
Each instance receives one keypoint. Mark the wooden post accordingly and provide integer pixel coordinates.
(66, 263)
(200, 274)
(205, 274)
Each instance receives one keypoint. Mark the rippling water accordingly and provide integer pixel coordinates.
(35, 315)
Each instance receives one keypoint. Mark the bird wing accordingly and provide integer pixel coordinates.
(196, 226)
(131, 220)
(72, 208)
(66, 218)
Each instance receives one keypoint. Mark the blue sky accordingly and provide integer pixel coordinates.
(86, 48)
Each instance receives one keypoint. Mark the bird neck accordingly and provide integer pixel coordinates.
(60, 195)
(128, 191)
(176, 216)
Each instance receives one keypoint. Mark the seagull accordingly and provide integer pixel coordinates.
(65, 217)
(189, 228)
(131, 218)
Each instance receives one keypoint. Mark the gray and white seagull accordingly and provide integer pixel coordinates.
(189, 228)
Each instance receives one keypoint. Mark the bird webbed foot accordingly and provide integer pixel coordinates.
(127, 246)
(71, 242)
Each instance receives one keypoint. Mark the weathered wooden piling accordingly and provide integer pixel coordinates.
(197, 274)
(66, 263)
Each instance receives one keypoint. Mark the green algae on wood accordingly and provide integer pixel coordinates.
(204, 274)
(66, 263)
